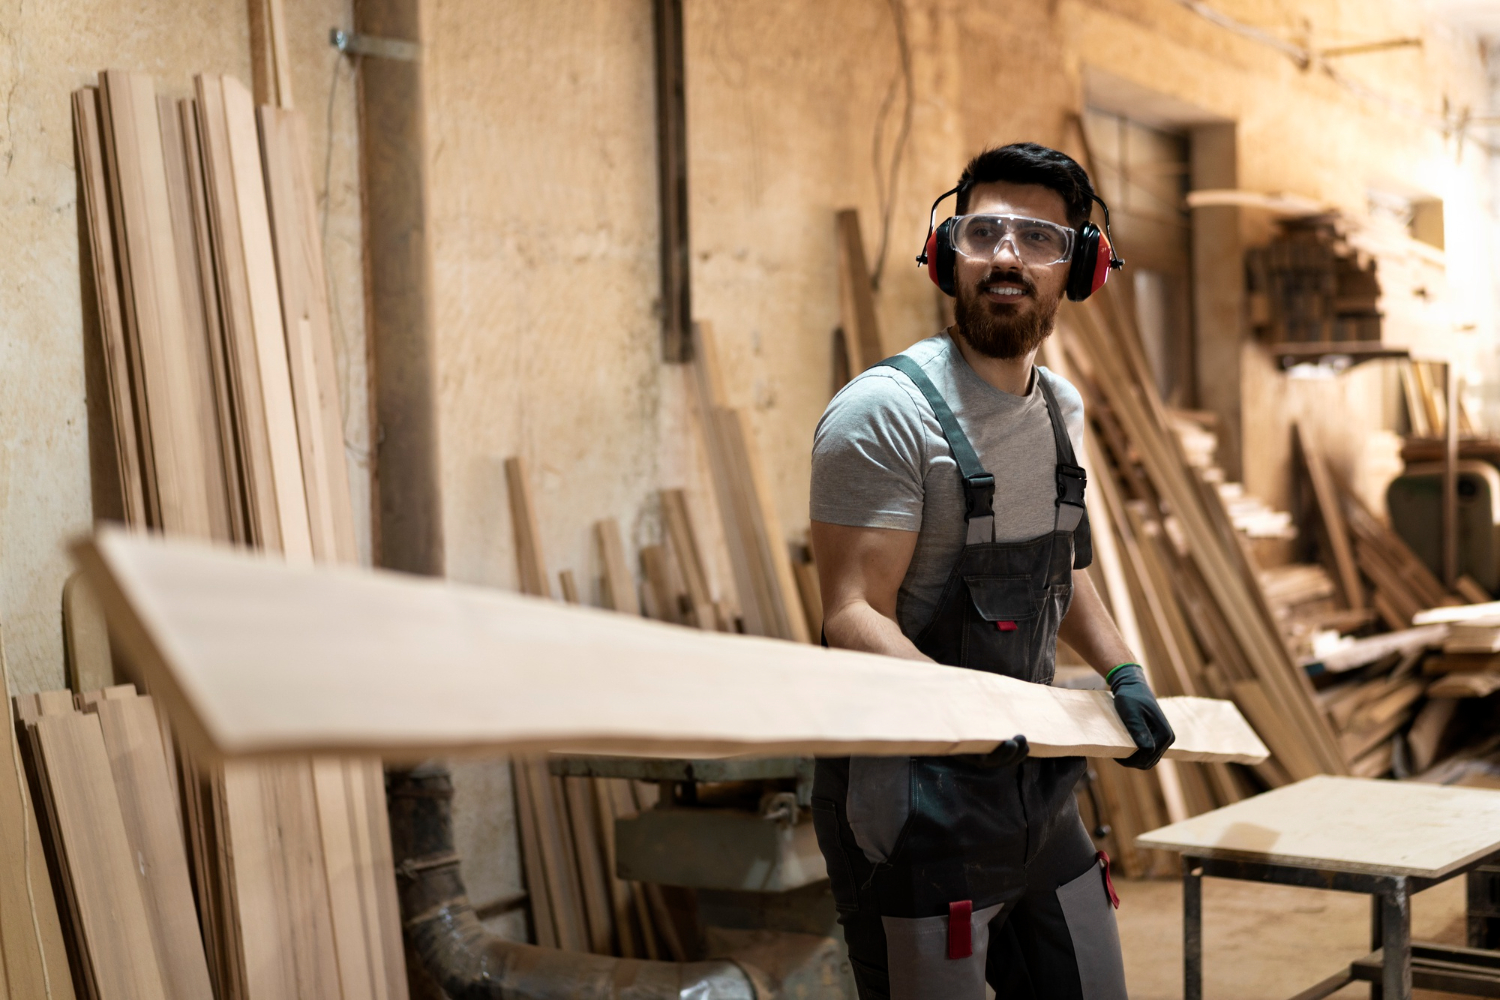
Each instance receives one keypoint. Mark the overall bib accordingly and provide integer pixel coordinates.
(948, 871)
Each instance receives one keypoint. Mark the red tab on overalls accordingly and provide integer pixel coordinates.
(961, 929)
(1006, 626)
(1109, 884)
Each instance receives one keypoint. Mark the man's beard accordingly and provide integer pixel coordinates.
(1004, 336)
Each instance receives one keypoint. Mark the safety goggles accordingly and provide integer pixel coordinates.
(1034, 241)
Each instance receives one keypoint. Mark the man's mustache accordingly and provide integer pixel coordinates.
(1014, 277)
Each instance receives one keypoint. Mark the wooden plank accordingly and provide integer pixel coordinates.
(253, 316)
(147, 798)
(198, 402)
(619, 890)
(538, 893)
(305, 313)
(85, 638)
(569, 586)
(557, 860)
(263, 526)
(619, 582)
(625, 806)
(661, 590)
(271, 65)
(33, 955)
(530, 562)
(102, 265)
(283, 913)
(97, 858)
(504, 670)
(152, 295)
(589, 859)
(208, 279)
(383, 874)
(1332, 517)
(1348, 824)
(346, 870)
(679, 527)
(856, 294)
(810, 591)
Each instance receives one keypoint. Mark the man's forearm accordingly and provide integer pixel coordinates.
(859, 626)
(1090, 630)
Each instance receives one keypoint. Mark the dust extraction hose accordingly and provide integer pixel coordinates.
(468, 963)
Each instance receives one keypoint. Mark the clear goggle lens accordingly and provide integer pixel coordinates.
(1035, 241)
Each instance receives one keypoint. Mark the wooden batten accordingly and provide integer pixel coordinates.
(530, 562)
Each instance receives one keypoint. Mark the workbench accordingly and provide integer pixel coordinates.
(1388, 839)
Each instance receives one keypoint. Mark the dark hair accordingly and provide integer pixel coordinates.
(1029, 163)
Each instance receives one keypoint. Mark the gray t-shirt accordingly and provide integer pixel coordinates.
(880, 461)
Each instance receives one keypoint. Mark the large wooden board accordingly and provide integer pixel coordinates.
(1348, 824)
(224, 635)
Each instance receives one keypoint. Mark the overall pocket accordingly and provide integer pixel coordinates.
(1001, 631)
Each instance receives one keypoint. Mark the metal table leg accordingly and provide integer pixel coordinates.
(1377, 938)
(1192, 929)
(1395, 919)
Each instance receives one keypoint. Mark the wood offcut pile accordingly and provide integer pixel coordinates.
(170, 877)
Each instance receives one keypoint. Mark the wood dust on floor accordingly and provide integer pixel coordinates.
(1264, 942)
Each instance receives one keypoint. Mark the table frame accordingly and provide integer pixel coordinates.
(1460, 970)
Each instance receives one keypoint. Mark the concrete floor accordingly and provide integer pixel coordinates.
(1264, 942)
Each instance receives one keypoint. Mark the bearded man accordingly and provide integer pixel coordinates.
(949, 526)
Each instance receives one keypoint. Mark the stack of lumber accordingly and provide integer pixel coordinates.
(1309, 285)
(758, 552)
(203, 246)
(1205, 621)
(567, 824)
(35, 955)
(106, 792)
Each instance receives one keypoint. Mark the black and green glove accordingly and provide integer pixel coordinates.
(1143, 717)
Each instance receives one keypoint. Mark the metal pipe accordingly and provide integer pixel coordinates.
(465, 961)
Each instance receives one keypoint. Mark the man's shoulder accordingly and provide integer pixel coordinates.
(1068, 396)
(883, 388)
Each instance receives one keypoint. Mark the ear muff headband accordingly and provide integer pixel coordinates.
(1087, 273)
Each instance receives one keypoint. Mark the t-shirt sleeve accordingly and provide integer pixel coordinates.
(868, 456)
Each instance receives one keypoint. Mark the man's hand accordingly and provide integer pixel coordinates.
(1012, 751)
(1143, 717)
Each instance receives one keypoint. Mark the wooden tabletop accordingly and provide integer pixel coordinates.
(1347, 824)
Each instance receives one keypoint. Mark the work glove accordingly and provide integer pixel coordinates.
(1143, 717)
(1012, 751)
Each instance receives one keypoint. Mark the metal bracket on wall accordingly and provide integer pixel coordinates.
(353, 44)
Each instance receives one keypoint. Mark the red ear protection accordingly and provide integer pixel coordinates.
(1093, 254)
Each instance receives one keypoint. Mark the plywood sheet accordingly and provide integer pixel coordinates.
(1348, 824)
(226, 635)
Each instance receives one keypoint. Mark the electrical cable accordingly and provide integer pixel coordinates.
(887, 179)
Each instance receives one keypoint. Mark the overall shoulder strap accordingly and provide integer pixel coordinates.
(1071, 478)
(979, 485)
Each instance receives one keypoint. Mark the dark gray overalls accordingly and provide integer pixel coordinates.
(947, 871)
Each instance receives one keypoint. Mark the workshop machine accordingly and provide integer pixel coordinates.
(739, 833)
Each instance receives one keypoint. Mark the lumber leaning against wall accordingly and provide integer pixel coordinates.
(222, 636)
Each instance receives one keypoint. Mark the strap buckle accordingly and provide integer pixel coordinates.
(979, 496)
(1071, 481)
